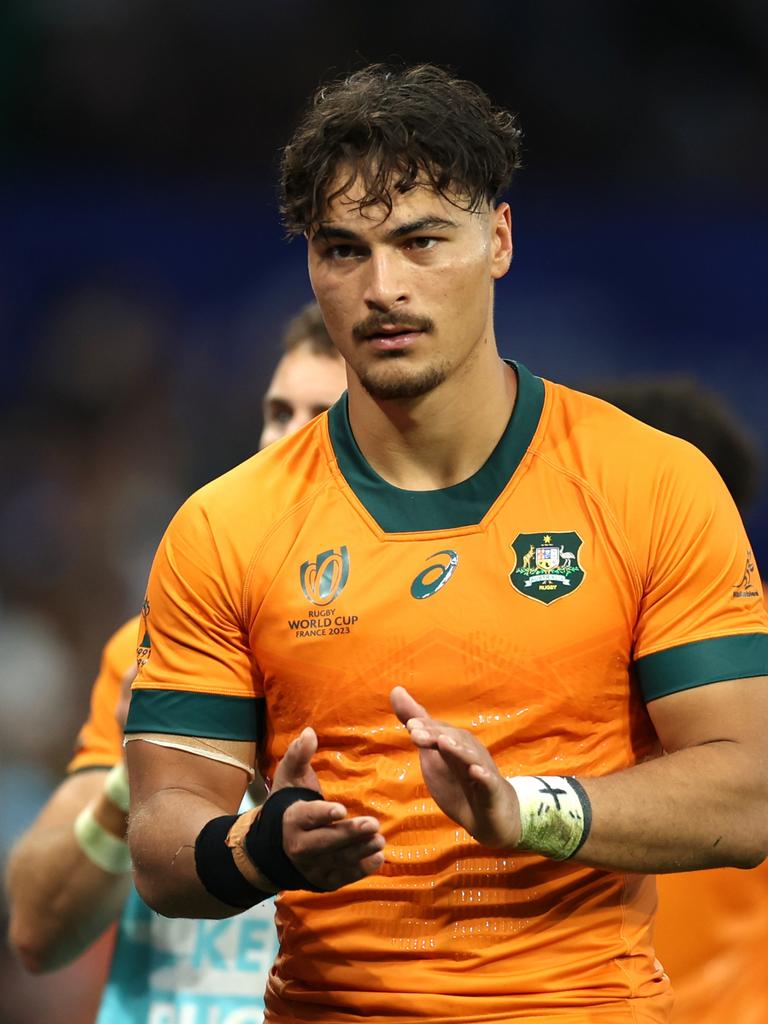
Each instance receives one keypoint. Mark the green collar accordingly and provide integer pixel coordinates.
(463, 504)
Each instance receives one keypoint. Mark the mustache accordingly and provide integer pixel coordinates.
(374, 323)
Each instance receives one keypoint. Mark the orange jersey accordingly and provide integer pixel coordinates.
(591, 565)
(100, 741)
(711, 935)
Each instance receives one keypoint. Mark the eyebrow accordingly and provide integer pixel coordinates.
(328, 231)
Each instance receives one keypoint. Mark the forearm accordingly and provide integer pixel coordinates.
(162, 835)
(702, 807)
(60, 901)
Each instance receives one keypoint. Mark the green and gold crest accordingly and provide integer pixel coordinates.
(546, 565)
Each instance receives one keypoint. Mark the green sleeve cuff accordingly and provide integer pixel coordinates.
(702, 662)
(207, 715)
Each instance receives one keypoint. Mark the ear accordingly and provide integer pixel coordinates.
(501, 240)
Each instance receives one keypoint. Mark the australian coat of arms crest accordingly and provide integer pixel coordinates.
(547, 565)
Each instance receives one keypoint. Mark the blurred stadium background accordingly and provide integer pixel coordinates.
(145, 278)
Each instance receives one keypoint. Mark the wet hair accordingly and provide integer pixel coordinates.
(397, 128)
(680, 406)
(308, 328)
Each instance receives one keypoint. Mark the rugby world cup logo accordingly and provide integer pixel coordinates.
(324, 579)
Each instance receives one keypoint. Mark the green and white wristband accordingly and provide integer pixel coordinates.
(116, 787)
(100, 847)
(555, 814)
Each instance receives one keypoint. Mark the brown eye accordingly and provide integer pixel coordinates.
(423, 244)
(341, 252)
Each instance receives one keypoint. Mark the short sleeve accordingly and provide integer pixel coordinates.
(100, 741)
(196, 671)
(702, 617)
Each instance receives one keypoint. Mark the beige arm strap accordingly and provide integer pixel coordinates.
(240, 753)
(236, 842)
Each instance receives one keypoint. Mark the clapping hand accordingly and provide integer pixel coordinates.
(461, 775)
(327, 847)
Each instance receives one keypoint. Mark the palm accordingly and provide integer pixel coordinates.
(465, 801)
(461, 775)
(448, 790)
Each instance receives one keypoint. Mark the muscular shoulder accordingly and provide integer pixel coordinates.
(634, 469)
(608, 448)
(649, 483)
(237, 510)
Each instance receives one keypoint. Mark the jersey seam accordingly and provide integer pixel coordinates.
(637, 578)
(165, 687)
(698, 639)
(623, 938)
(246, 610)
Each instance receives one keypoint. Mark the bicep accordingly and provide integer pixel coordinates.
(69, 798)
(154, 769)
(734, 710)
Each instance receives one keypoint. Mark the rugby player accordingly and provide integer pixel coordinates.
(455, 621)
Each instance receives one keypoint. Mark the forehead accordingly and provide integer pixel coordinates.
(302, 371)
(351, 209)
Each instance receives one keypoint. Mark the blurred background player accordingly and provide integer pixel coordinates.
(711, 926)
(307, 380)
(62, 899)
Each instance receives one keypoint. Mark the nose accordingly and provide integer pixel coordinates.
(385, 286)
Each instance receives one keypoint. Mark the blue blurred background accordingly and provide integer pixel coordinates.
(144, 278)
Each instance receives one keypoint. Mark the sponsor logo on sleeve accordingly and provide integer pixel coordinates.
(745, 587)
(144, 650)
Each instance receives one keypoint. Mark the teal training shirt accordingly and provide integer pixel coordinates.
(177, 971)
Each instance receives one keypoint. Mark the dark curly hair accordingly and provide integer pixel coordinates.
(395, 128)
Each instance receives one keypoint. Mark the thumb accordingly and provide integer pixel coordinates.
(300, 752)
(296, 760)
(405, 706)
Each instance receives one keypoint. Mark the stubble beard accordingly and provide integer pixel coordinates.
(391, 386)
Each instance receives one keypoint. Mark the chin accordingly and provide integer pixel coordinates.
(392, 382)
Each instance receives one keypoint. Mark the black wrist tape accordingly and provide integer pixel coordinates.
(264, 841)
(586, 810)
(217, 870)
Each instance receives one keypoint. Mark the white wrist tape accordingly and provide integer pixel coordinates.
(100, 847)
(116, 787)
(555, 814)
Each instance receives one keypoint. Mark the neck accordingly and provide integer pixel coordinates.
(442, 437)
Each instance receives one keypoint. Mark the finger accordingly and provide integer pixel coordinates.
(330, 847)
(405, 706)
(425, 739)
(300, 752)
(311, 814)
(485, 780)
(308, 815)
(339, 877)
(467, 753)
(427, 733)
(317, 854)
(483, 777)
